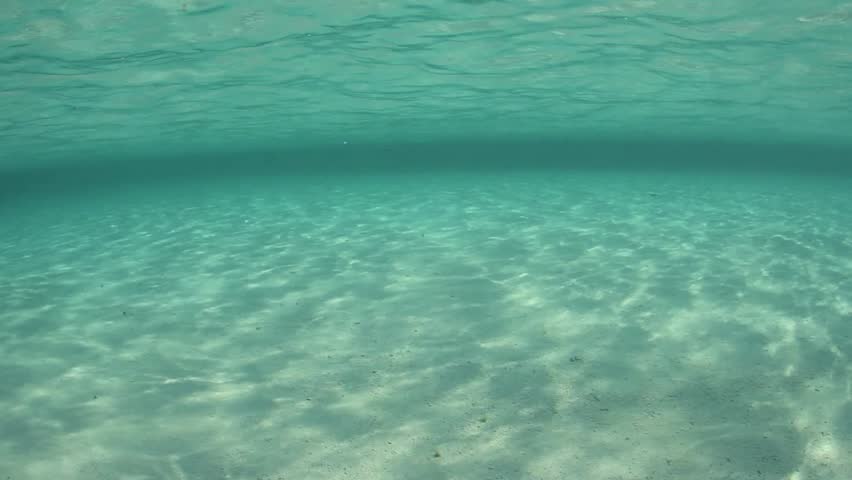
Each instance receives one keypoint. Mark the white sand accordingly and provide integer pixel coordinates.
(528, 326)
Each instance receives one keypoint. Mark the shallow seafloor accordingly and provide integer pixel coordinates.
(541, 325)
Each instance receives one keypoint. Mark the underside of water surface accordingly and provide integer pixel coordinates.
(95, 79)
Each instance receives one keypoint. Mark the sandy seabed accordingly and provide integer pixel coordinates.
(596, 326)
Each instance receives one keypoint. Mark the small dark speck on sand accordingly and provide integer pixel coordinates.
(94, 397)
(436, 455)
(124, 314)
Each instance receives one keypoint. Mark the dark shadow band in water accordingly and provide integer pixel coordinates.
(467, 156)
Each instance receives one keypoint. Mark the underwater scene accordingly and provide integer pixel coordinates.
(447, 240)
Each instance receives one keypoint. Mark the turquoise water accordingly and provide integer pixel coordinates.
(456, 240)
(90, 78)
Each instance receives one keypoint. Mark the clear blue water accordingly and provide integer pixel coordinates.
(387, 240)
(91, 79)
